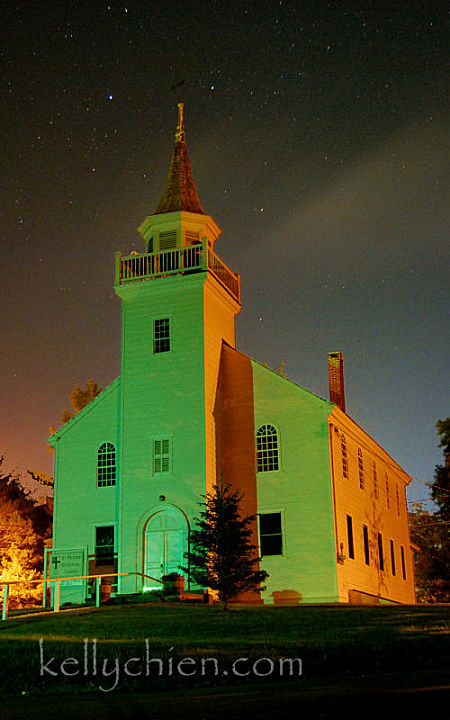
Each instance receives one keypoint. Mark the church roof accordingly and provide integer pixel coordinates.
(180, 192)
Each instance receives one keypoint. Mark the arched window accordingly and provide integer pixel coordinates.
(267, 449)
(106, 465)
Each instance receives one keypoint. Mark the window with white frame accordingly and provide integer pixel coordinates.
(104, 545)
(267, 450)
(106, 465)
(270, 534)
(161, 335)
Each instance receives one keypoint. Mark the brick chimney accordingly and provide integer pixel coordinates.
(336, 379)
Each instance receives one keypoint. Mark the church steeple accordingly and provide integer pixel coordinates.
(180, 192)
(179, 220)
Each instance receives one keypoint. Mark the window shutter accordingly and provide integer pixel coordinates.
(167, 240)
(192, 237)
(161, 455)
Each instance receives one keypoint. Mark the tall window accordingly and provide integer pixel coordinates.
(380, 551)
(161, 335)
(388, 502)
(351, 549)
(106, 465)
(375, 480)
(397, 496)
(344, 456)
(392, 557)
(104, 545)
(366, 545)
(161, 456)
(360, 469)
(267, 449)
(402, 555)
(270, 534)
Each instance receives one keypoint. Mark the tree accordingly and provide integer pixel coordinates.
(80, 398)
(20, 557)
(432, 559)
(221, 555)
(430, 531)
(24, 527)
(440, 492)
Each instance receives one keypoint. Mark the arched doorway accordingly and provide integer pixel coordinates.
(165, 542)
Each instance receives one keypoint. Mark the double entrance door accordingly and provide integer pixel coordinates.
(165, 542)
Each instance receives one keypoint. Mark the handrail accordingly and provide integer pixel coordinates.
(44, 581)
(176, 261)
(167, 262)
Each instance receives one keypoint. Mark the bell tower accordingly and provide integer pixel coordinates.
(179, 302)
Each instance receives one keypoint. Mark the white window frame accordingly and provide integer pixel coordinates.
(154, 320)
(268, 511)
(278, 435)
(105, 483)
(96, 525)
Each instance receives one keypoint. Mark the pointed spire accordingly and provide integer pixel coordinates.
(180, 192)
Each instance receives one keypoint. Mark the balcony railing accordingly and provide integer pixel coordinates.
(179, 261)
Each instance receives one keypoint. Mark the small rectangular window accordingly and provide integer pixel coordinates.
(104, 545)
(351, 549)
(402, 555)
(388, 502)
(270, 534)
(380, 551)
(375, 480)
(366, 545)
(392, 557)
(161, 335)
(161, 456)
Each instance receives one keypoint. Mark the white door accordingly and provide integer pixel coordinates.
(164, 546)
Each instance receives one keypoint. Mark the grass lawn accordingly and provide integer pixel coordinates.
(186, 649)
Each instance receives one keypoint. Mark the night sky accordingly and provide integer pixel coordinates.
(319, 140)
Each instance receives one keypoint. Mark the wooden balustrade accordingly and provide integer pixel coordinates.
(181, 260)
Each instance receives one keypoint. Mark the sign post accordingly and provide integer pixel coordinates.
(5, 601)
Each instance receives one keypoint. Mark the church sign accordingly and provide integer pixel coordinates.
(67, 563)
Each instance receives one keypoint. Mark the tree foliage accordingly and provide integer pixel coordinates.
(430, 531)
(20, 557)
(80, 398)
(221, 556)
(24, 527)
(440, 492)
